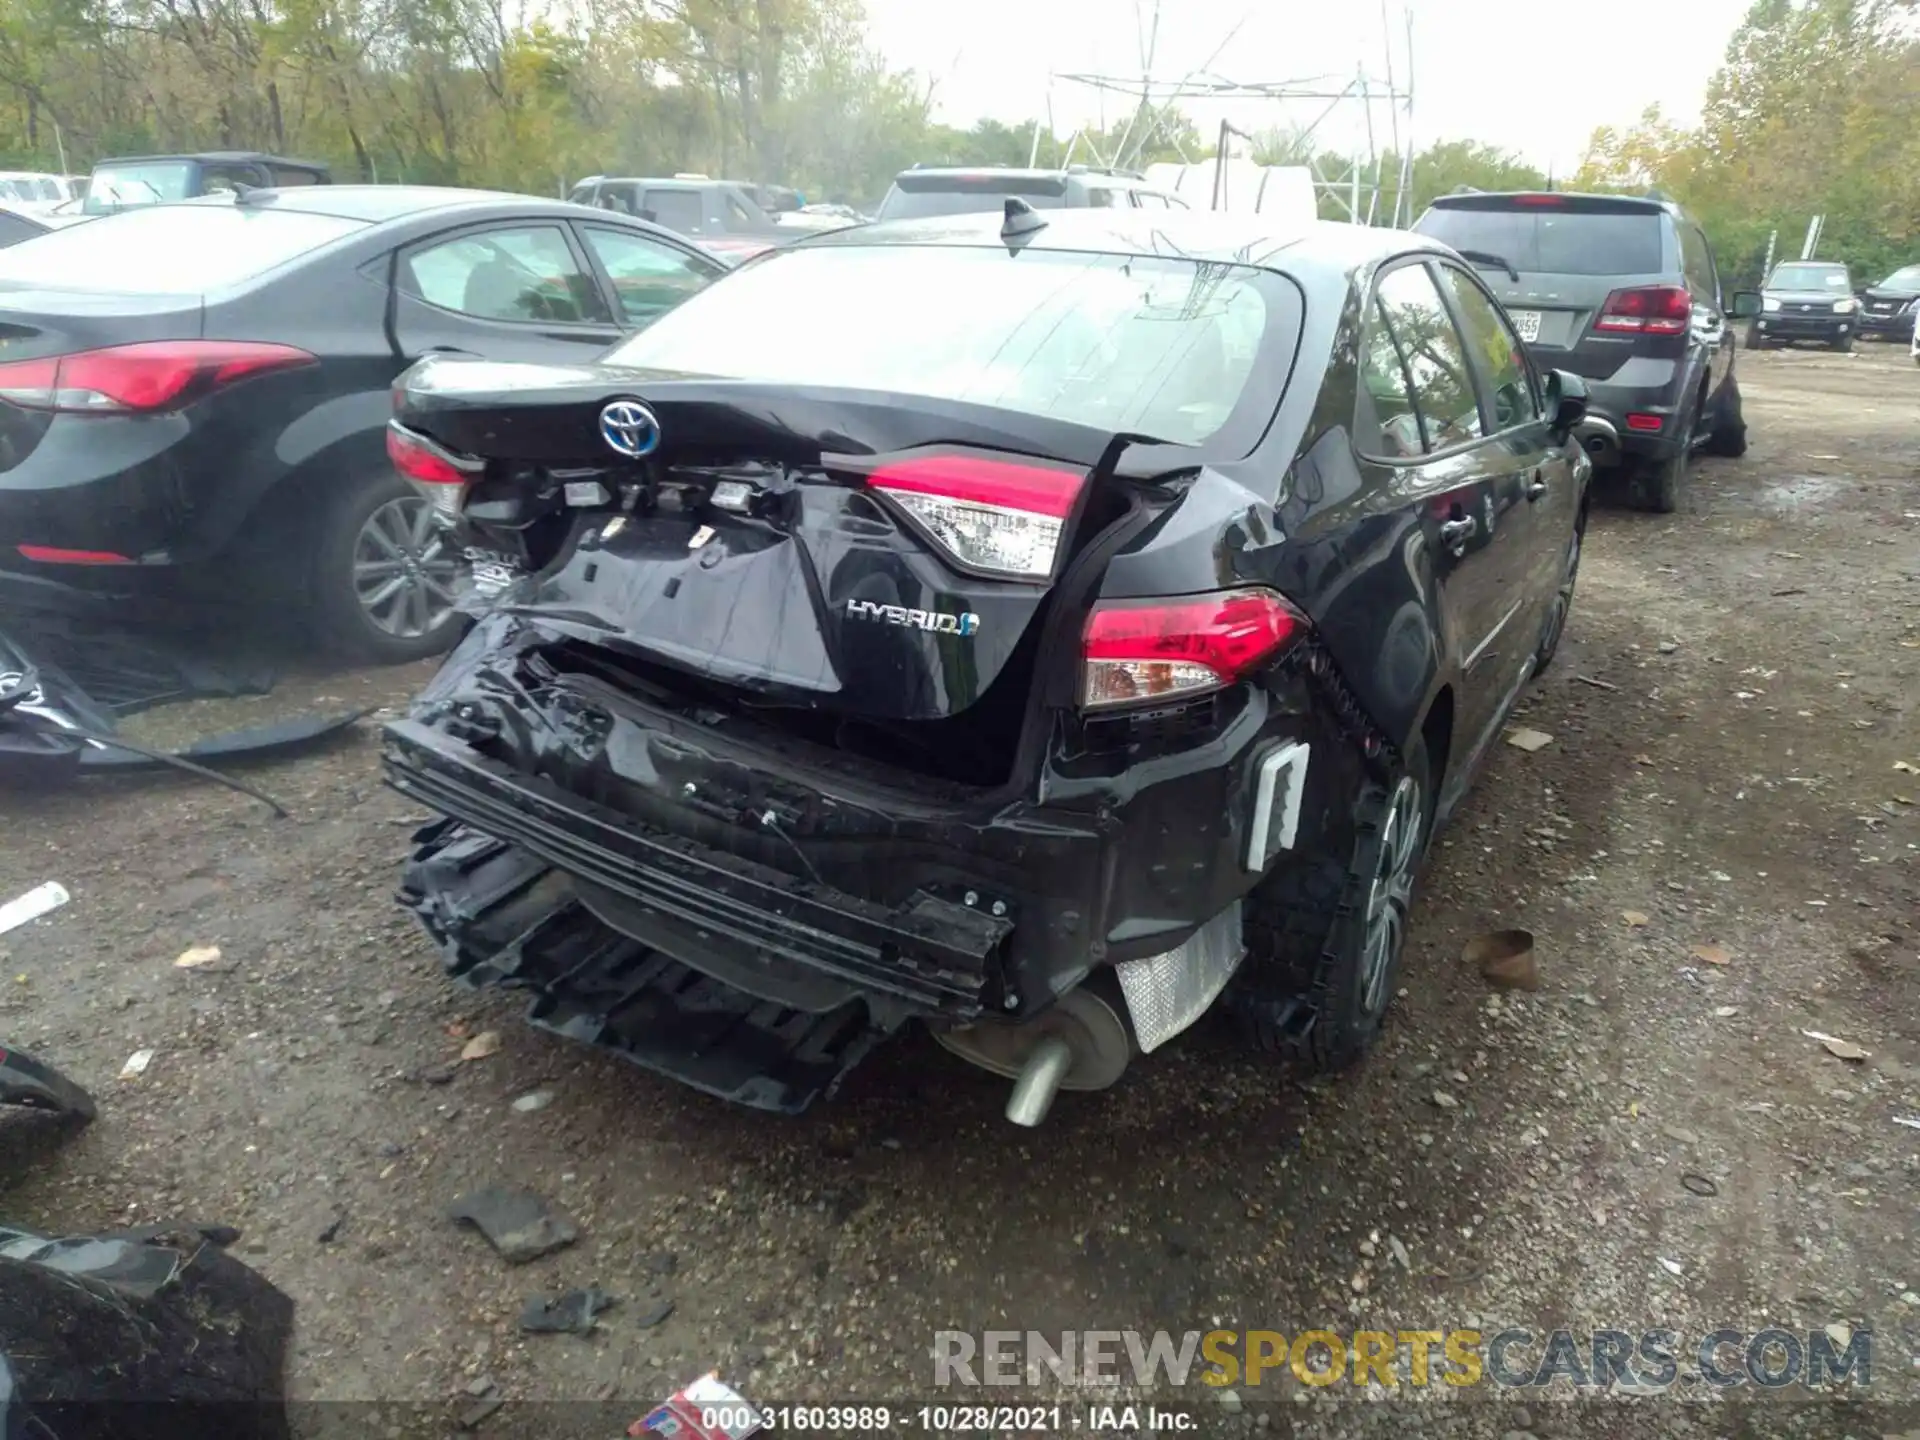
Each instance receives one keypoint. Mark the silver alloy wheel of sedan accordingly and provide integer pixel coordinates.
(404, 569)
(1391, 894)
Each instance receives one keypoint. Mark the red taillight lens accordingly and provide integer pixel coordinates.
(135, 379)
(1647, 310)
(1644, 422)
(436, 473)
(1001, 516)
(1540, 202)
(1139, 650)
(58, 555)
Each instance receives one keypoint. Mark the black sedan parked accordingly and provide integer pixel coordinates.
(1888, 310)
(196, 395)
(1035, 627)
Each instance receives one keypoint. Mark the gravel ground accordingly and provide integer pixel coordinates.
(1738, 685)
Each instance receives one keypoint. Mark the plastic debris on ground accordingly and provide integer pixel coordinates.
(32, 1083)
(705, 1410)
(132, 1333)
(570, 1314)
(136, 1065)
(1835, 1046)
(1522, 737)
(41, 900)
(517, 1223)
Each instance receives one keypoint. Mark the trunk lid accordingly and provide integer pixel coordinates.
(792, 548)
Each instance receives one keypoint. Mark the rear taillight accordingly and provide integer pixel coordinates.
(1004, 517)
(1139, 650)
(435, 471)
(1647, 310)
(1547, 201)
(138, 379)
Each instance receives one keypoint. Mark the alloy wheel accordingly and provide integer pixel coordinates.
(404, 569)
(1390, 896)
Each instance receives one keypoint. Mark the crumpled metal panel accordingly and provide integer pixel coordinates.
(1167, 993)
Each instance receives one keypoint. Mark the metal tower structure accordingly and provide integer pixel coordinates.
(1373, 107)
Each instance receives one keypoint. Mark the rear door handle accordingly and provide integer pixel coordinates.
(1537, 486)
(1454, 534)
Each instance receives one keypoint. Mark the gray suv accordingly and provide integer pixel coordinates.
(1624, 292)
(918, 192)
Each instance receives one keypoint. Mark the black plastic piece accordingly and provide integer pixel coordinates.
(27, 1081)
(502, 917)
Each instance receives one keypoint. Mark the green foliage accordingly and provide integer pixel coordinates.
(1816, 110)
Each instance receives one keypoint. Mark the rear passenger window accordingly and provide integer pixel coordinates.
(1413, 327)
(1386, 423)
(682, 210)
(526, 274)
(1698, 264)
(648, 278)
(1499, 349)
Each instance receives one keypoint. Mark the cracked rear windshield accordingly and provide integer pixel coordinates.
(1157, 345)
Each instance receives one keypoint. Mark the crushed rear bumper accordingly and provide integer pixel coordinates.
(932, 956)
(750, 915)
(503, 917)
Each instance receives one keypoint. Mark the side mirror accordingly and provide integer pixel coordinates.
(1745, 305)
(1566, 403)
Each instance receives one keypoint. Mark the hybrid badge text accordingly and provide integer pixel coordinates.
(938, 622)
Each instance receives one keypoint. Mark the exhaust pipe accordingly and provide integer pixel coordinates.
(1079, 1043)
(1600, 440)
(1039, 1081)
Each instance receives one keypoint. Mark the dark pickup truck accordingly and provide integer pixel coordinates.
(721, 215)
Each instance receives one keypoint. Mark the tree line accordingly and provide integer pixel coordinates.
(1816, 109)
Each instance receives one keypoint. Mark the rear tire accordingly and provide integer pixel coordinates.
(1562, 600)
(1729, 436)
(1334, 932)
(1661, 485)
(377, 521)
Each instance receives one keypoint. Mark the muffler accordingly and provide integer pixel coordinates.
(1601, 441)
(1080, 1042)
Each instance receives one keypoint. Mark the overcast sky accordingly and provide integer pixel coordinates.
(1528, 75)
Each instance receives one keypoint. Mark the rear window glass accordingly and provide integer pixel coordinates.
(170, 249)
(1550, 242)
(914, 197)
(681, 210)
(1907, 277)
(114, 186)
(1810, 277)
(1156, 345)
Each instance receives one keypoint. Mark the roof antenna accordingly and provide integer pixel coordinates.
(1022, 220)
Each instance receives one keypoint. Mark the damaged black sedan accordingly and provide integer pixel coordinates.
(1040, 629)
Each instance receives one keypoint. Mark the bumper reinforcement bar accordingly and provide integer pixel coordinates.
(934, 955)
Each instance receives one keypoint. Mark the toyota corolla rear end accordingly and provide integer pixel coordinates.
(894, 677)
